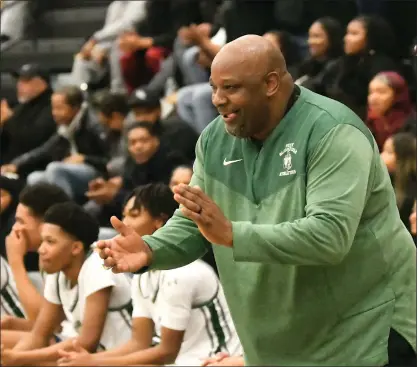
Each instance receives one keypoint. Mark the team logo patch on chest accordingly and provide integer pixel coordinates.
(286, 153)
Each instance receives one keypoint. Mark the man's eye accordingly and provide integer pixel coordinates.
(230, 87)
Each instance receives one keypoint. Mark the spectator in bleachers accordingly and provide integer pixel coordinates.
(150, 160)
(25, 238)
(14, 19)
(73, 156)
(389, 106)
(182, 64)
(175, 305)
(97, 301)
(289, 48)
(325, 46)
(368, 48)
(112, 110)
(177, 134)
(92, 62)
(181, 174)
(236, 18)
(30, 124)
(10, 188)
(399, 154)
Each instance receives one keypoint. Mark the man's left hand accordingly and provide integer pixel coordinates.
(8, 357)
(201, 209)
(106, 193)
(196, 36)
(74, 159)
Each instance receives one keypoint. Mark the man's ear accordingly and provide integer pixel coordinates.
(272, 83)
(158, 223)
(77, 248)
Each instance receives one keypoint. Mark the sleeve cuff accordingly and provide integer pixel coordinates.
(243, 249)
(149, 267)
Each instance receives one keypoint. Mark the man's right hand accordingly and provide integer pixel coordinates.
(5, 111)
(16, 245)
(125, 253)
(8, 168)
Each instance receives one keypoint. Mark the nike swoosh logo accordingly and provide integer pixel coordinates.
(227, 163)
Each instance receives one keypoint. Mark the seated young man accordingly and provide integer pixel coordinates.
(25, 239)
(150, 160)
(184, 307)
(77, 287)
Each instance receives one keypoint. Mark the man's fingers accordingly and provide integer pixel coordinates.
(195, 217)
(109, 263)
(189, 204)
(120, 227)
(101, 245)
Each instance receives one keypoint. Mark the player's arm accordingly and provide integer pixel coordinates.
(49, 318)
(29, 296)
(89, 336)
(337, 182)
(180, 242)
(142, 332)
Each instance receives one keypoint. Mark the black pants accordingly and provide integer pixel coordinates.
(400, 351)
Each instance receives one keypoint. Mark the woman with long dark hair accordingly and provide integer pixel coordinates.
(399, 155)
(368, 49)
(325, 45)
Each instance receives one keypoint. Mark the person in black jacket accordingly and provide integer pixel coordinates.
(30, 124)
(76, 154)
(325, 46)
(150, 160)
(368, 50)
(154, 37)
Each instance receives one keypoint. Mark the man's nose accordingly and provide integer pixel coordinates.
(218, 99)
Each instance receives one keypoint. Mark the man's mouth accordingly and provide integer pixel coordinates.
(230, 117)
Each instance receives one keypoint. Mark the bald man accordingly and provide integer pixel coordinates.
(290, 191)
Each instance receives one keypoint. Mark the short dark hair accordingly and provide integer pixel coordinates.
(75, 221)
(156, 198)
(73, 95)
(153, 129)
(40, 197)
(109, 103)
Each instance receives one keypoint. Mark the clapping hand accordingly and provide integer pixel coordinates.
(202, 210)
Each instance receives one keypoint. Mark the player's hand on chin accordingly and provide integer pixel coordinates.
(201, 209)
(126, 252)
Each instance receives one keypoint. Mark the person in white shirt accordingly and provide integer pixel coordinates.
(25, 239)
(184, 309)
(77, 287)
(10, 304)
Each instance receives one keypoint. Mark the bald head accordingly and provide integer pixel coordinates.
(254, 53)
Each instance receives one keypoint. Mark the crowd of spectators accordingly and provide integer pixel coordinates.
(139, 96)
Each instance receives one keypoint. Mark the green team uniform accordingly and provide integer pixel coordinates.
(321, 266)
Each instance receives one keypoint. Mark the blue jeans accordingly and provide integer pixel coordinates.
(72, 178)
(194, 105)
(192, 72)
